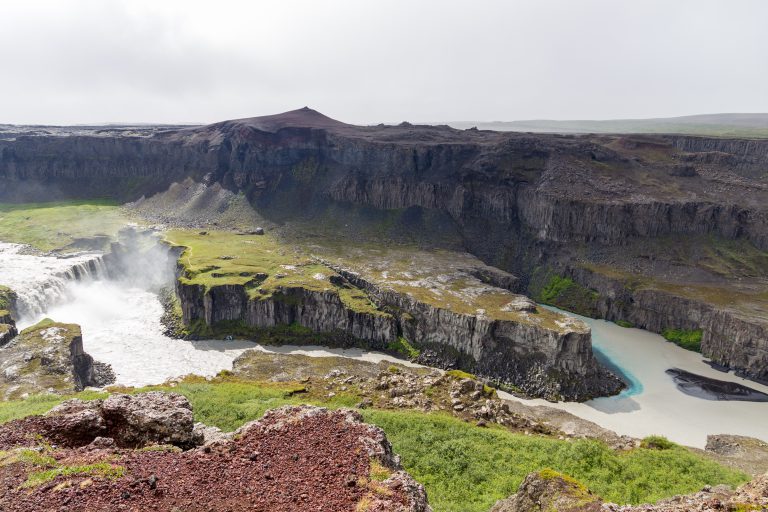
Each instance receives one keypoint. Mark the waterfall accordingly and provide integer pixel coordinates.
(42, 281)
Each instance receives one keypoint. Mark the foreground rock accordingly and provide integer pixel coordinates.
(546, 491)
(48, 357)
(7, 324)
(295, 458)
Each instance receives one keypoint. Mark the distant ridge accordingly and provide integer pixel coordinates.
(303, 117)
(721, 125)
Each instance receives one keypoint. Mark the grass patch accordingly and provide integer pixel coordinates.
(625, 324)
(466, 468)
(99, 469)
(657, 443)
(39, 404)
(56, 225)
(403, 346)
(687, 339)
(550, 288)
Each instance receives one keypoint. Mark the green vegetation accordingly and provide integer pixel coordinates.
(98, 469)
(403, 346)
(465, 468)
(39, 404)
(688, 339)
(262, 264)
(46, 468)
(550, 288)
(58, 225)
(657, 443)
(625, 324)
(7, 296)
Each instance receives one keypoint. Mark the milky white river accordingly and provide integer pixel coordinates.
(121, 326)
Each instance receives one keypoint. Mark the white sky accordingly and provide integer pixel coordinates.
(366, 61)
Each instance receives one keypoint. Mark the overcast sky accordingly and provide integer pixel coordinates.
(366, 61)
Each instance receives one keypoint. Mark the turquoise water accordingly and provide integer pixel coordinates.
(607, 353)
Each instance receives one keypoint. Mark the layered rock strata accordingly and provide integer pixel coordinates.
(508, 195)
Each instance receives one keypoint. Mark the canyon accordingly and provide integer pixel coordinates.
(659, 231)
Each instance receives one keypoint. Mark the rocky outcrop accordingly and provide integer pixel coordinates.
(297, 458)
(129, 421)
(554, 362)
(7, 324)
(546, 491)
(47, 357)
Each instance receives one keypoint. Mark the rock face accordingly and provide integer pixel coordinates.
(130, 421)
(294, 458)
(47, 357)
(546, 491)
(318, 311)
(516, 200)
(7, 324)
(554, 363)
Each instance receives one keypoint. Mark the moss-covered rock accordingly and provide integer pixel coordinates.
(549, 287)
(47, 357)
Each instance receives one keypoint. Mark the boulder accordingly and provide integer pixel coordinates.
(547, 490)
(149, 418)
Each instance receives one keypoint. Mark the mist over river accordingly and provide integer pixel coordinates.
(120, 320)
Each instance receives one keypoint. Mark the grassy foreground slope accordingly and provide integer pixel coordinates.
(465, 468)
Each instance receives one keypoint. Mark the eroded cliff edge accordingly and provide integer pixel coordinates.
(515, 345)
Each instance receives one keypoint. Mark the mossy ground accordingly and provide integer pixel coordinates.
(438, 277)
(56, 226)
(215, 258)
(688, 339)
(465, 468)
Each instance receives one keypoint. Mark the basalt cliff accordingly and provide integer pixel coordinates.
(661, 232)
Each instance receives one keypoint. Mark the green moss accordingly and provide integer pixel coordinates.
(404, 347)
(553, 289)
(687, 339)
(7, 299)
(624, 323)
(657, 443)
(459, 374)
(56, 225)
(377, 472)
(99, 470)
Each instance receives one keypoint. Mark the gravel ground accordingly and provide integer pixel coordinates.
(317, 461)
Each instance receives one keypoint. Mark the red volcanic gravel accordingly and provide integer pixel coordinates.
(317, 463)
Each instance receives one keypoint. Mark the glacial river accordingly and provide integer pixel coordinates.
(121, 326)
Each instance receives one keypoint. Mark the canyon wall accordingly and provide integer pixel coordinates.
(507, 193)
(542, 362)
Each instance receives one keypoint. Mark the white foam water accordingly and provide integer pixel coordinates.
(40, 281)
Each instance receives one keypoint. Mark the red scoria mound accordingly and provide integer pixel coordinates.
(294, 459)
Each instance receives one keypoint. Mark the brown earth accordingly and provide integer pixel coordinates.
(295, 458)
